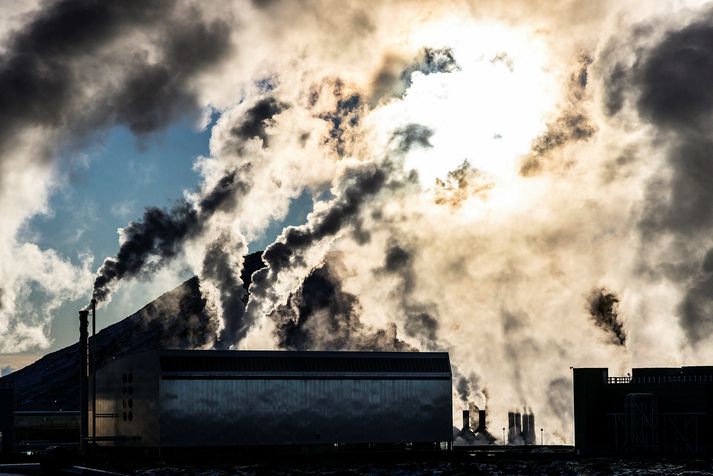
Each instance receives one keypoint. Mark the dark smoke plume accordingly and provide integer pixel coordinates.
(257, 119)
(421, 319)
(669, 84)
(465, 386)
(603, 307)
(219, 268)
(357, 186)
(322, 316)
(360, 184)
(159, 237)
(696, 309)
(50, 63)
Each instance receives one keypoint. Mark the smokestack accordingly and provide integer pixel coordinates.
(518, 424)
(94, 369)
(531, 435)
(83, 383)
(512, 436)
(481, 421)
(525, 427)
(466, 420)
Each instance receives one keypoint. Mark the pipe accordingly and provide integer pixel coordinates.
(94, 369)
(83, 383)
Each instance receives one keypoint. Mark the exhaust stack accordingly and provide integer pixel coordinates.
(83, 380)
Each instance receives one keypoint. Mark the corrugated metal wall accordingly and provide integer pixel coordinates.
(216, 412)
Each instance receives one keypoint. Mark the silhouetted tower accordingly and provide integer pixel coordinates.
(83, 381)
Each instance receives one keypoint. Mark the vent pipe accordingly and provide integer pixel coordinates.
(83, 383)
(94, 370)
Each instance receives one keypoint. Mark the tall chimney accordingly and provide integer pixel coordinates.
(83, 382)
(511, 428)
(481, 420)
(531, 437)
(518, 424)
(94, 370)
(466, 420)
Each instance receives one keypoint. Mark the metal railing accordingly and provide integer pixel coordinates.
(662, 379)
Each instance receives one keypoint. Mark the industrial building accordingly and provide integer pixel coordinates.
(657, 411)
(215, 399)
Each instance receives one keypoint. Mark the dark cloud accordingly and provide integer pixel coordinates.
(410, 136)
(322, 316)
(572, 125)
(53, 61)
(218, 268)
(257, 119)
(603, 308)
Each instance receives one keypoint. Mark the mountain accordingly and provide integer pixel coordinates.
(176, 320)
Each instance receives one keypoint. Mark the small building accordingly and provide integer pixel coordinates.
(36, 430)
(659, 411)
(212, 399)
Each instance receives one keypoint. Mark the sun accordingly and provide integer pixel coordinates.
(487, 112)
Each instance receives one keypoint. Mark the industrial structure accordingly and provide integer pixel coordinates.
(167, 400)
(479, 436)
(521, 428)
(657, 411)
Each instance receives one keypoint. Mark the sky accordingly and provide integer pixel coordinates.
(524, 184)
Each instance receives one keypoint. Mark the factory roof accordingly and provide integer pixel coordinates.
(305, 362)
